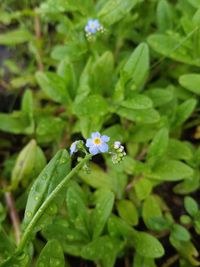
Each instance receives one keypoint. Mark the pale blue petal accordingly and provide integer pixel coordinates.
(103, 147)
(93, 150)
(87, 28)
(73, 148)
(89, 142)
(105, 138)
(90, 21)
(93, 30)
(96, 135)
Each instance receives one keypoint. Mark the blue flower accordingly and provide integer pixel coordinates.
(97, 143)
(73, 148)
(92, 26)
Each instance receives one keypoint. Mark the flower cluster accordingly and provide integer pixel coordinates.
(96, 144)
(118, 153)
(93, 26)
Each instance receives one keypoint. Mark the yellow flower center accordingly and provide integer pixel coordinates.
(92, 25)
(97, 141)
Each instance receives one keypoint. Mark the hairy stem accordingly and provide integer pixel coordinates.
(29, 230)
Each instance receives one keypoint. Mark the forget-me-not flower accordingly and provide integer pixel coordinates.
(97, 143)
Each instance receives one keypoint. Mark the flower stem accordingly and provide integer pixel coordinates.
(29, 230)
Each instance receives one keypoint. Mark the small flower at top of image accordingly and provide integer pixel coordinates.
(97, 143)
(93, 26)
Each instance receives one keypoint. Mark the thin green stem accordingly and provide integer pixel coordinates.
(29, 230)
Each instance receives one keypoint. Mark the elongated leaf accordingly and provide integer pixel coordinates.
(148, 246)
(12, 123)
(25, 167)
(53, 86)
(142, 116)
(184, 111)
(191, 82)
(158, 146)
(102, 247)
(102, 211)
(61, 230)
(164, 15)
(151, 209)
(114, 10)
(48, 179)
(51, 255)
(15, 37)
(167, 45)
(77, 209)
(137, 102)
(172, 170)
(128, 211)
(103, 181)
(137, 67)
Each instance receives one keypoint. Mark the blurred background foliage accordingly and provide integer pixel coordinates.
(139, 83)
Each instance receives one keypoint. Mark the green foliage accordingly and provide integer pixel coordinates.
(135, 80)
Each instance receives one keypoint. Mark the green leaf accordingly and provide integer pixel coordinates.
(29, 164)
(139, 101)
(22, 260)
(77, 209)
(140, 261)
(160, 96)
(167, 45)
(84, 87)
(67, 72)
(102, 73)
(104, 204)
(61, 230)
(54, 87)
(180, 233)
(191, 206)
(114, 10)
(164, 16)
(103, 181)
(102, 248)
(51, 255)
(151, 209)
(141, 116)
(137, 66)
(15, 37)
(191, 82)
(148, 246)
(12, 123)
(48, 179)
(142, 188)
(49, 129)
(92, 106)
(184, 111)
(178, 150)
(172, 170)
(128, 211)
(6, 245)
(158, 146)
(27, 110)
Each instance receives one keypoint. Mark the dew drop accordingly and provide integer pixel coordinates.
(63, 160)
(36, 197)
(29, 213)
(57, 262)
